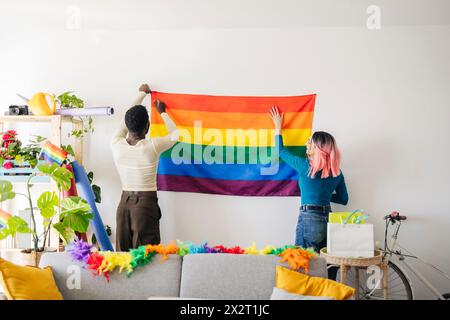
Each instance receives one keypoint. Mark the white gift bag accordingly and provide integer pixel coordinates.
(350, 240)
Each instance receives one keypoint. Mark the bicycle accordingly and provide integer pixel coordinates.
(395, 256)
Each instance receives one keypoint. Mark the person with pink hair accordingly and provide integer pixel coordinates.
(320, 180)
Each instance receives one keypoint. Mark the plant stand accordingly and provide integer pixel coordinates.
(55, 122)
(346, 263)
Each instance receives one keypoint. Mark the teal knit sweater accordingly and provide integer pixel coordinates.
(314, 191)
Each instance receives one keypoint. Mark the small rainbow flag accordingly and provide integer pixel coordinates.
(227, 143)
(52, 153)
(4, 217)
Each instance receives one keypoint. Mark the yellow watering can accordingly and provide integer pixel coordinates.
(39, 105)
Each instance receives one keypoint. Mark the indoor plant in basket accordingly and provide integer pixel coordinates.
(74, 212)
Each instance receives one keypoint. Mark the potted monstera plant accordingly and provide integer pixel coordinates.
(67, 216)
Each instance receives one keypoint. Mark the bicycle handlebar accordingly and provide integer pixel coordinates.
(394, 216)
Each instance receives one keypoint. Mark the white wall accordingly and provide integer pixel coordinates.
(384, 94)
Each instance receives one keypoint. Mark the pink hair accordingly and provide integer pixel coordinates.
(326, 156)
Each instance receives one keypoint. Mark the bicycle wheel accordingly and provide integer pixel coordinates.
(398, 285)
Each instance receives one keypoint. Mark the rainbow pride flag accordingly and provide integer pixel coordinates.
(52, 153)
(227, 143)
(4, 217)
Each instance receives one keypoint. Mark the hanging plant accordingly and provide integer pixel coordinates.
(68, 100)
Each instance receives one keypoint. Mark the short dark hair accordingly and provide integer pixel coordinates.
(136, 119)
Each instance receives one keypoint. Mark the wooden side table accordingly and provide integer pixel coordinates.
(345, 264)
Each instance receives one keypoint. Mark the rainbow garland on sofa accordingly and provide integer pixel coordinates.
(105, 262)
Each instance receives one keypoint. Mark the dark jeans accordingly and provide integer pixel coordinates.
(137, 220)
(311, 232)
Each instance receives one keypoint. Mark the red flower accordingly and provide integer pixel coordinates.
(12, 132)
(8, 165)
(8, 138)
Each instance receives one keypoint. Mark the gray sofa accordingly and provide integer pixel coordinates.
(195, 276)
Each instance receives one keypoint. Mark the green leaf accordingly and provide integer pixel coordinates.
(93, 239)
(68, 100)
(19, 225)
(90, 176)
(108, 230)
(12, 146)
(76, 213)
(4, 233)
(66, 233)
(14, 225)
(38, 139)
(60, 175)
(78, 222)
(74, 205)
(76, 133)
(68, 149)
(6, 192)
(33, 162)
(46, 203)
(64, 95)
(97, 192)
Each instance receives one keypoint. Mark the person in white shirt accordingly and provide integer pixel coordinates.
(136, 159)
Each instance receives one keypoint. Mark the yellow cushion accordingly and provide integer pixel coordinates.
(28, 283)
(299, 283)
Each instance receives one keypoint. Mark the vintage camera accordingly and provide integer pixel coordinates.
(17, 111)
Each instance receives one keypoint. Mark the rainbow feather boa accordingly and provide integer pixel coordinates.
(105, 262)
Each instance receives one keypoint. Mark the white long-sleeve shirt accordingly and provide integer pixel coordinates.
(138, 164)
